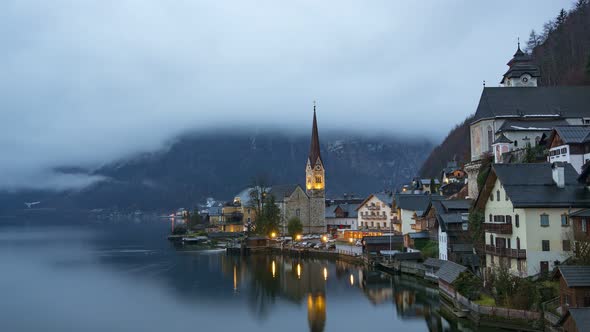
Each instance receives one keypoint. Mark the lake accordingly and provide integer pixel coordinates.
(77, 274)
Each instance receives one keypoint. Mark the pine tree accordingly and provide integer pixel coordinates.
(561, 17)
(580, 4)
(533, 41)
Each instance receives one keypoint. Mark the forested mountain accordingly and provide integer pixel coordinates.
(561, 50)
(197, 166)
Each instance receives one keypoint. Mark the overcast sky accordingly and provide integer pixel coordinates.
(88, 82)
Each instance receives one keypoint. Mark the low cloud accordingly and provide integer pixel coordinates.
(88, 82)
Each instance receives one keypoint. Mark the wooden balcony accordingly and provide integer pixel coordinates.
(498, 228)
(505, 252)
(396, 221)
(374, 217)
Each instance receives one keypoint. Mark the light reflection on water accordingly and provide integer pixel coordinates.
(87, 276)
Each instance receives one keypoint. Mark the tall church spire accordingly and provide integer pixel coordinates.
(314, 147)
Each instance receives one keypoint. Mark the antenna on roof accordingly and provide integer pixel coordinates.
(484, 83)
(518, 41)
(314, 106)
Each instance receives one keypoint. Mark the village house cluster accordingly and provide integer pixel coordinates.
(528, 179)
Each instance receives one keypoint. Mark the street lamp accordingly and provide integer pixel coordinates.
(273, 235)
(298, 237)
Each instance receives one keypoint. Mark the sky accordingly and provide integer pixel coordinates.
(84, 83)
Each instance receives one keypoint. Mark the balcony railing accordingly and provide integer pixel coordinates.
(498, 228)
(505, 252)
(396, 221)
(374, 217)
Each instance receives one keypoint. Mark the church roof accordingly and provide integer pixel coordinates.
(281, 191)
(534, 102)
(314, 147)
(531, 125)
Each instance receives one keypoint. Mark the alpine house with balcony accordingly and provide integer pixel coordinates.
(526, 209)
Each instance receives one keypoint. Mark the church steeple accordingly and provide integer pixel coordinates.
(314, 147)
(522, 72)
(314, 172)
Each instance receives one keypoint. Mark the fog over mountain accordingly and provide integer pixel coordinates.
(87, 83)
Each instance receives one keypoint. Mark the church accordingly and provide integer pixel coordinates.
(519, 113)
(309, 203)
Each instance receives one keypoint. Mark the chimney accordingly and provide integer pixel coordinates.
(558, 172)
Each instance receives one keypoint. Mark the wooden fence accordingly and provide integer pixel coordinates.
(497, 311)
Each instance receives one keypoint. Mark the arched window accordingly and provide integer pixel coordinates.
(516, 221)
(517, 243)
(490, 218)
(491, 239)
(498, 195)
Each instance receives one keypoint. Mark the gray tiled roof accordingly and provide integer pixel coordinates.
(582, 318)
(449, 271)
(502, 139)
(569, 101)
(574, 134)
(419, 235)
(386, 198)
(576, 275)
(531, 185)
(457, 204)
(395, 239)
(415, 202)
(283, 190)
(433, 262)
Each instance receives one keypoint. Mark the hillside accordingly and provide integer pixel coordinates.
(200, 165)
(562, 51)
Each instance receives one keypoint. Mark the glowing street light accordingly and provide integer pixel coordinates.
(273, 235)
(298, 237)
(298, 271)
(325, 238)
(273, 269)
(325, 274)
(351, 280)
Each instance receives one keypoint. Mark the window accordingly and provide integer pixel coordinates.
(545, 245)
(490, 138)
(318, 179)
(372, 224)
(564, 220)
(492, 197)
(567, 245)
(490, 218)
(498, 195)
(584, 226)
(509, 219)
(516, 221)
(515, 143)
(544, 220)
(491, 239)
(298, 212)
(563, 150)
(517, 243)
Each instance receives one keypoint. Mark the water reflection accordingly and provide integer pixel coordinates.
(141, 282)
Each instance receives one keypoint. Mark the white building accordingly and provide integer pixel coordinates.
(522, 112)
(407, 206)
(570, 144)
(526, 209)
(341, 215)
(375, 212)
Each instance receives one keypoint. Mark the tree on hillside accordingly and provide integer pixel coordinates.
(580, 4)
(294, 227)
(561, 17)
(533, 41)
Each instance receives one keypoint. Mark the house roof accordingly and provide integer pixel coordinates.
(415, 202)
(433, 262)
(384, 197)
(561, 101)
(407, 256)
(581, 213)
(520, 64)
(456, 204)
(532, 185)
(573, 134)
(419, 235)
(581, 317)
(575, 275)
(283, 190)
(395, 239)
(449, 271)
(215, 210)
(350, 208)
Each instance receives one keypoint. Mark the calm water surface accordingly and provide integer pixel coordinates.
(82, 275)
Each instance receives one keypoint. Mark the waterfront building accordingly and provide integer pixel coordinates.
(526, 209)
(375, 213)
(522, 112)
(454, 241)
(342, 215)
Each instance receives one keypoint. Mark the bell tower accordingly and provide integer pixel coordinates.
(315, 183)
(522, 72)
